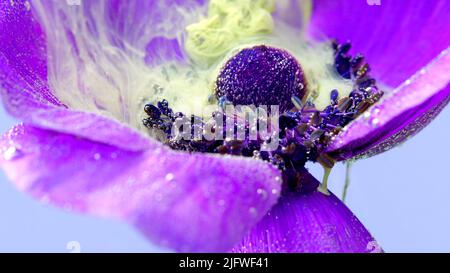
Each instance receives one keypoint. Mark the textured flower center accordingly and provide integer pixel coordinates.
(261, 75)
(264, 75)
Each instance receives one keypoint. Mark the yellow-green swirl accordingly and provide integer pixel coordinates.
(227, 22)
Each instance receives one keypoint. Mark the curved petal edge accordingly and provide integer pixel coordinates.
(186, 202)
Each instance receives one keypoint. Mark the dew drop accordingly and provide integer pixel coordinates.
(97, 156)
(158, 197)
(12, 153)
(375, 122)
(252, 211)
(68, 207)
(169, 176)
(115, 189)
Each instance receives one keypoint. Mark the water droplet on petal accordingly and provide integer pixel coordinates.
(12, 153)
(131, 181)
(253, 211)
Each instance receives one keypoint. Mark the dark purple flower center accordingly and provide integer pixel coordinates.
(261, 75)
(304, 131)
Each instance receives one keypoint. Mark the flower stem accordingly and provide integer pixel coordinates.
(348, 166)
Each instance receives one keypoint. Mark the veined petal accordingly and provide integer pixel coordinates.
(397, 37)
(153, 30)
(185, 202)
(308, 222)
(23, 58)
(399, 115)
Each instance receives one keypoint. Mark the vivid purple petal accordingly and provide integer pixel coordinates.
(90, 126)
(308, 222)
(397, 37)
(188, 202)
(399, 115)
(23, 57)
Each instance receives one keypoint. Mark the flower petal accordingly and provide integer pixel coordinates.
(26, 94)
(295, 13)
(396, 37)
(399, 115)
(188, 202)
(155, 27)
(162, 49)
(23, 47)
(308, 222)
(23, 70)
(140, 19)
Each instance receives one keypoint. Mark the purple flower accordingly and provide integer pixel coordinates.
(77, 76)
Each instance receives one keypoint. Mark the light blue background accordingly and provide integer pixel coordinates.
(401, 196)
